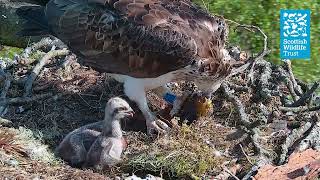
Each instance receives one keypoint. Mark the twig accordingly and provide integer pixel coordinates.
(291, 139)
(312, 140)
(5, 121)
(248, 159)
(296, 87)
(264, 154)
(239, 88)
(6, 86)
(306, 96)
(42, 43)
(291, 89)
(244, 119)
(252, 171)
(24, 100)
(263, 80)
(230, 173)
(39, 66)
(238, 24)
(302, 84)
(264, 51)
(284, 78)
(299, 109)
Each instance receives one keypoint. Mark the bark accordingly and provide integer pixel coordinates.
(10, 23)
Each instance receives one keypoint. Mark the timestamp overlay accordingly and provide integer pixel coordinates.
(295, 34)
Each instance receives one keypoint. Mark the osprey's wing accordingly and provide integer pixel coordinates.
(139, 38)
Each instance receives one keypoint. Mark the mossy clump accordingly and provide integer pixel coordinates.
(9, 52)
(23, 141)
(182, 153)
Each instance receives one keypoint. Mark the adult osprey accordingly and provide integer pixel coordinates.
(143, 43)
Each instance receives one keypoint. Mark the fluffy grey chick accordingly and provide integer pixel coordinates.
(74, 147)
(107, 149)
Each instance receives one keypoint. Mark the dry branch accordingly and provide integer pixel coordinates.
(296, 87)
(239, 88)
(291, 139)
(244, 119)
(299, 109)
(284, 78)
(264, 156)
(306, 96)
(24, 100)
(312, 140)
(265, 77)
(6, 86)
(45, 42)
(39, 66)
(265, 50)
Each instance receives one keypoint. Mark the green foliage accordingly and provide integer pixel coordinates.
(266, 15)
(10, 52)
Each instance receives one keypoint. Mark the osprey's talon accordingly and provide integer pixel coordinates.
(157, 126)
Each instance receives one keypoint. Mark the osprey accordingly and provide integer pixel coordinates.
(144, 44)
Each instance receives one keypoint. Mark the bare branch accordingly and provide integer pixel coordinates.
(292, 138)
(265, 50)
(244, 119)
(39, 66)
(296, 87)
(312, 140)
(299, 109)
(24, 100)
(6, 86)
(244, 153)
(306, 96)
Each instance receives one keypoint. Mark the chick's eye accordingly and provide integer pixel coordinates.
(121, 109)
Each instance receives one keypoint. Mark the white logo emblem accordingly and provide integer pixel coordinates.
(295, 25)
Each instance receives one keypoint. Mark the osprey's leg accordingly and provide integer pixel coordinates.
(135, 91)
(177, 104)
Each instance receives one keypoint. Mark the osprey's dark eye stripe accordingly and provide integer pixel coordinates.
(117, 110)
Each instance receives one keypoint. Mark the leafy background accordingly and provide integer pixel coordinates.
(266, 15)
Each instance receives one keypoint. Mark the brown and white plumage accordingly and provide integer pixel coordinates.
(84, 146)
(138, 38)
(142, 43)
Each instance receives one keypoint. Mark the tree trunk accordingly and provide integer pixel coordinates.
(10, 23)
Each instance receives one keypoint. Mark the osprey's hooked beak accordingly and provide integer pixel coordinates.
(201, 64)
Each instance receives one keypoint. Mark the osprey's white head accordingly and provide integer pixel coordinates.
(118, 109)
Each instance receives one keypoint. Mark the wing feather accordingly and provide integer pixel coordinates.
(130, 36)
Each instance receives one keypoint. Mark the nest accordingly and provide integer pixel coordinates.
(259, 116)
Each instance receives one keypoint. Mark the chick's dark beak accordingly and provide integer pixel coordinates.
(130, 113)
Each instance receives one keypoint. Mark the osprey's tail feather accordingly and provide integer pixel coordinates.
(36, 23)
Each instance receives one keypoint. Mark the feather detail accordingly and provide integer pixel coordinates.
(130, 36)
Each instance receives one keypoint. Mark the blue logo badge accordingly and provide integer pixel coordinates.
(295, 34)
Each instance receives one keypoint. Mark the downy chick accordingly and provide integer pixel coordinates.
(75, 146)
(107, 149)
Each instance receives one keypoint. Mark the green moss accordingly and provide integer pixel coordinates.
(9, 52)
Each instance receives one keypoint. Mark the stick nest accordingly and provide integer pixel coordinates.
(259, 116)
